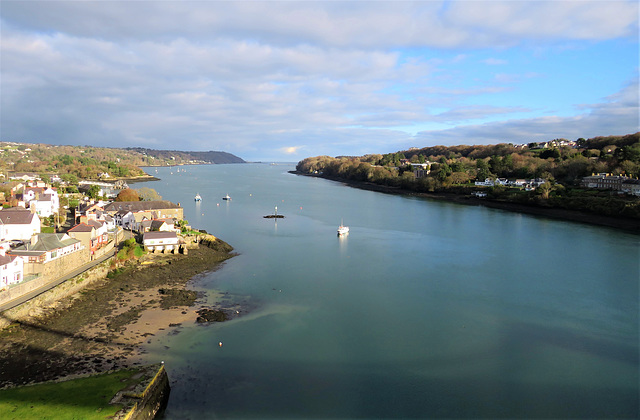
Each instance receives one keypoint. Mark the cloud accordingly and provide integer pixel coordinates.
(618, 115)
(253, 78)
(291, 150)
(338, 24)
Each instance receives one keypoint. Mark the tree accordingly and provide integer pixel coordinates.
(459, 178)
(483, 169)
(128, 195)
(94, 191)
(148, 194)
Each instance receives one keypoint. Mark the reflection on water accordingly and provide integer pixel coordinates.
(426, 309)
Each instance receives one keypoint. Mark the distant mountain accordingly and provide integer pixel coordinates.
(180, 156)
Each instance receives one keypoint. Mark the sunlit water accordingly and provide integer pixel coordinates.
(426, 309)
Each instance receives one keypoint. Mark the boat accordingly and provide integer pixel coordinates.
(342, 229)
(226, 197)
(198, 198)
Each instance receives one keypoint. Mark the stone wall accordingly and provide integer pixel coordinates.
(52, 271)
(148, 403)
(51, 298)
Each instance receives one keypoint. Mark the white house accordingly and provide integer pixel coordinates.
(125, 219)
(486, 183)
(11, 269)
(45, 201)
(19, 224)
(160, 241)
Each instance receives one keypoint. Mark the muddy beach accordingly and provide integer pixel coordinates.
(104, 326)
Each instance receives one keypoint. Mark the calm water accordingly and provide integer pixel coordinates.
(427, 309)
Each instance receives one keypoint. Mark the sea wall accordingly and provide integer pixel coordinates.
(150, 401)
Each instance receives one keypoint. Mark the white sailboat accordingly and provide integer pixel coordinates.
(342, 229)
(197, 197)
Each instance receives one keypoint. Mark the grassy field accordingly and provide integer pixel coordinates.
(84, 398)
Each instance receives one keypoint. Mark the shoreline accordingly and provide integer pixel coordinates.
(106, 326)
(628, 225)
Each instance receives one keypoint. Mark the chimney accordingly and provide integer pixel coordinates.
(34, 239)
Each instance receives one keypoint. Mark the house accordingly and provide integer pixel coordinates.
(87, 208)
(11, 269)
(24, 176)
(163, 225)
(160, 241)
(488, 182)
(45, 201)
(124, 219)
(161, 209)
(604, 181)
(93, 235)
(19, 224)
(45, 247)
(631, 186)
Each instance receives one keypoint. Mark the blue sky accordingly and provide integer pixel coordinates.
(281, 81)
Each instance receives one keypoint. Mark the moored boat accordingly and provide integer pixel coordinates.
(198, 198)
(342, 229)
(226, 197)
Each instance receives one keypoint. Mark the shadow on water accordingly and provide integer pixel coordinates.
(445, 387)
(368, 391)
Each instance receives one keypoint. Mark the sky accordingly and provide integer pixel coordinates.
(285, 80)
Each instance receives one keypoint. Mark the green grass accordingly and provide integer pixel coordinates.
(85, 398)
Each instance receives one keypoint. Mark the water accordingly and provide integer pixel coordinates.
(426, 309)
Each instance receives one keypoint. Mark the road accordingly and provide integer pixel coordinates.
(18, 301)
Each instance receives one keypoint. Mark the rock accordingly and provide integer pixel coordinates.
(211, 315)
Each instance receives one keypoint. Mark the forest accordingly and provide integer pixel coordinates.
(454, 169)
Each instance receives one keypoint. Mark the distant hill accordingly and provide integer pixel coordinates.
(181, 156)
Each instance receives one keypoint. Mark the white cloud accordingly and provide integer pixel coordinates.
(257, 77)
(618, 115)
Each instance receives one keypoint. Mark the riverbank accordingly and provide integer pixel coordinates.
(105, 326)
(626, 224)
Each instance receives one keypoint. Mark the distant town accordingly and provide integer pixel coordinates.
(74, 208)
(46, 234)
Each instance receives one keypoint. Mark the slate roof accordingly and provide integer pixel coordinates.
(135, 206)
(47, 242)
(82, 227)
(16, 216)
(6, 259)
(159, 235)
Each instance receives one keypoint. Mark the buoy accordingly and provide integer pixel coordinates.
(218, 204)
(220, 344)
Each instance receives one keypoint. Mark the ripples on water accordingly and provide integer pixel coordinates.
(426, 309)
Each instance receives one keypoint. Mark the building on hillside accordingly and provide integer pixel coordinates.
(604, 181)
(24, 176)
(161, 209)
(11, 269)
(631, 186)
(18, 224)
(93, 235)
(160, 241)
(45, 247)
(125, 219)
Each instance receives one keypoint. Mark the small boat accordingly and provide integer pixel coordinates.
(226, 197)
(198, 198)
(342, 229)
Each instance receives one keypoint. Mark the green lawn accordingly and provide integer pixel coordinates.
(85, 398)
